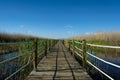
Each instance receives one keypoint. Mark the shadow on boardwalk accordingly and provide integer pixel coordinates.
(58, 65)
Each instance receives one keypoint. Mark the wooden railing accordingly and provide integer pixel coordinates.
(86, 51)
(24, 57)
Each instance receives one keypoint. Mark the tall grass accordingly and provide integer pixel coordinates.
(4, 37)
(7, 38)
(105, 38)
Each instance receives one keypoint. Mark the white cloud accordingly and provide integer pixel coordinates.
(68, 29)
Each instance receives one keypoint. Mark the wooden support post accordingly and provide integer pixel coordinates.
(46, 47)
(63, 42)
(49, 45)
(69, 45)
(35, 54)
(84, 53)
(73, 47)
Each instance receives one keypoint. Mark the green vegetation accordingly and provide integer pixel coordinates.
(8, 38)
(102, 38)
(14, 37)
(25, 50)
(106, 53)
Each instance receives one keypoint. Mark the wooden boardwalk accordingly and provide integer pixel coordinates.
(58, 65)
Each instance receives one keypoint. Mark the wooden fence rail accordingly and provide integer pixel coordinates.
(80, 48)
(28, 54)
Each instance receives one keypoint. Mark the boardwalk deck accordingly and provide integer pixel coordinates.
(59, 65)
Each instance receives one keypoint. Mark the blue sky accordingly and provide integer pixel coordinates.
(59, 18)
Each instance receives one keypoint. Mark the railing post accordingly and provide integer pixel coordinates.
(35, 54)
(84, 53)
(49, 45)
(46, 47)
(63, 42)
(69, 45)
(73, 47)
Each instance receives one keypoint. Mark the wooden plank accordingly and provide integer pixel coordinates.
(59, 65)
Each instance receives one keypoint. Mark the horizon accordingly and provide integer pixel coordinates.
(59, 19)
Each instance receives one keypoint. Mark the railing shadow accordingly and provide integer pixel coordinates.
(54, 76)
(64, 51)
(57, 70)
(69, 66)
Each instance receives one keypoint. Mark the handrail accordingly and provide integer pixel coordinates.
(103, 60)
(33, 54)
(16, 43)
(78, 49)
(78, 42)
(100, 70)
(10, 59)
(84, 52)
(18, 70)
(103, 46)
(79, 54)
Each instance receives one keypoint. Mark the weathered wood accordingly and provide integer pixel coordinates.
(59, 64)
(73, 47)
(84, 53)
(69, 45)
(46, 47)
(35, 55)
